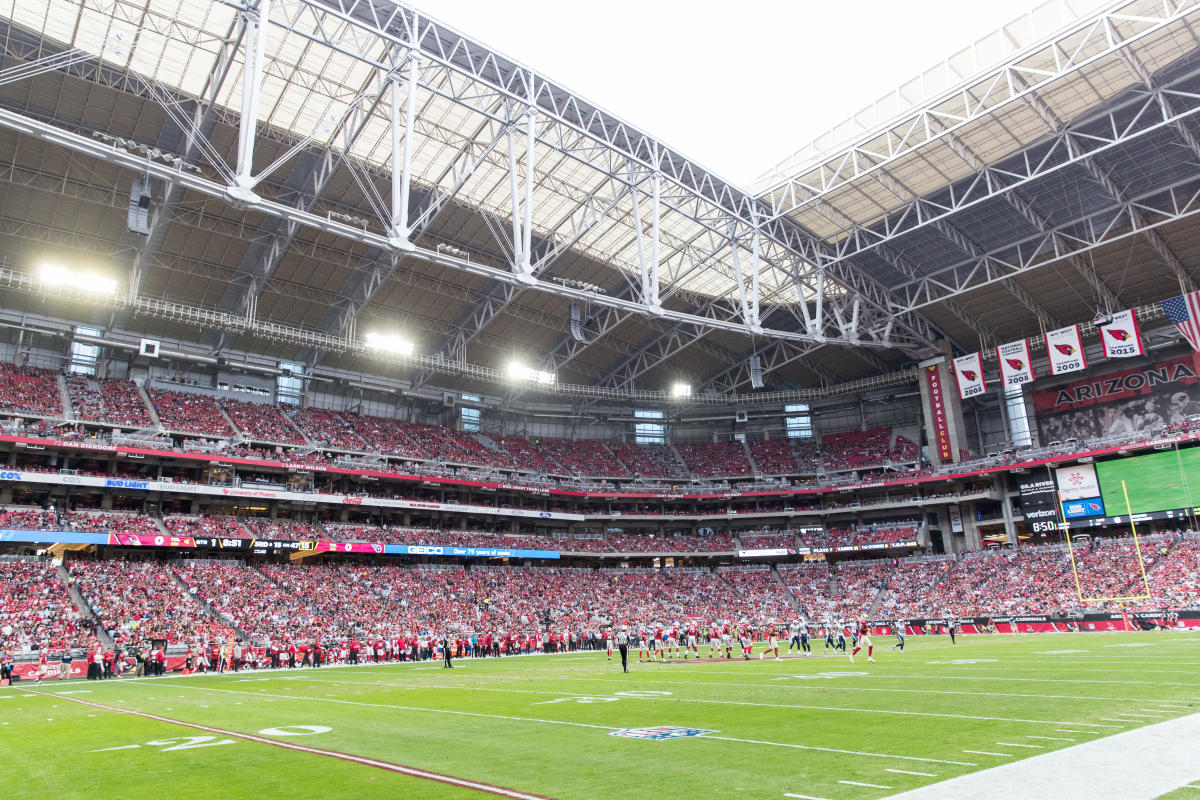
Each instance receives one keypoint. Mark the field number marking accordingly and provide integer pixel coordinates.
(296, 730)
(193, 742)
(637, 694)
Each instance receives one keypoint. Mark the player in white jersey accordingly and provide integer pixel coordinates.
(714, 640)
(727, 640)
(672, 642)
(608, 642)
(772, 643)
(693, 638)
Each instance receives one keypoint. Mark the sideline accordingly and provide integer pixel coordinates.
(1139, 764)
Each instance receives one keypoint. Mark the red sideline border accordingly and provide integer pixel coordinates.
(369, 762)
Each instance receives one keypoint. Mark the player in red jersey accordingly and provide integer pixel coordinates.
(864, 640)
(772, 643)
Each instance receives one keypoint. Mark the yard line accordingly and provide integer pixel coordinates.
(868, 785)
(845, 752)
(760, 705)
(1068, 730)
(987, 753)
(906, 772)
(803, 796)
(1014, 744)
(561, 722)
(1146, 716)
(123, 747)
(889, 676)
(370, 762)
(1053, 738)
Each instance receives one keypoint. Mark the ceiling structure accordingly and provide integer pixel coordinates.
(322, 169)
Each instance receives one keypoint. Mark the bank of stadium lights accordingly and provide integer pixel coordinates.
(583, 286)
(680, 390)
(57, 277)
(388, 343)
(153, 153)
(521, 373)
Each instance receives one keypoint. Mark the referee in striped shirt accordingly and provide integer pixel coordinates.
(622, 639)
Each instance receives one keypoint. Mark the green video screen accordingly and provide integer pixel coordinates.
(1156, 481)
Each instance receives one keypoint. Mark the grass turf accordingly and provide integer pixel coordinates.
(816, 727)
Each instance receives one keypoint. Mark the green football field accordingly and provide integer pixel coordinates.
(819, 727)
(1156, 482)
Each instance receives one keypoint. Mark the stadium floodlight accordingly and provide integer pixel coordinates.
(389, 343)
(681, 390)
(56, 276)
(519, 372)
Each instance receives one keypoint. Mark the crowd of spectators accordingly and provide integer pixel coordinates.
(525, 455)
(29, 390)
(761, 540)
(649, 460)
(113, 401)
(585, 457)
(1175, 576)
(109, 522)
(187, 412)
(206, 526)
(29, 519)
(36, 610)
(138, 602)
(262, 422)
(760, 588)
(774, 457)
(856, 449)
(332, 429)
(716, 459)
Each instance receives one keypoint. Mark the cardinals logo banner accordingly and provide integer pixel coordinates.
(969, 371)
(1065, 350)
(1015, 366)
(1120, 336)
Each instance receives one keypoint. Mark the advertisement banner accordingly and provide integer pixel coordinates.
(370, 548)
(1120, 336)
(1064, 347)
(1039, 503)
(956, 523)
(149, 540)
(937, 407)
(1136, 400)
(1016, 364)
(1079, 509)
(1077, 482)
(969, 372)
(466, 552)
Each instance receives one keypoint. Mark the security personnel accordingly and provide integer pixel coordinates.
(622, 639)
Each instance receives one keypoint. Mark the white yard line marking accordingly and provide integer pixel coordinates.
(803, 796)
(907, 772)
(1014, 744)
(846, 752)
(988, 753)
(1068, 730)
(1086, 770)
(123, 747)
(868, 785)
(464, 687)
(370, 762)
(561, 722)
(1147, 716)
(1053, 738)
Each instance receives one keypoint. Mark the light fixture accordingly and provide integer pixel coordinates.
(388, 343)
(519, 372)
(680, 389)
(56, 276)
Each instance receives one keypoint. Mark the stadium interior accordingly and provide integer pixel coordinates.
(321, 322)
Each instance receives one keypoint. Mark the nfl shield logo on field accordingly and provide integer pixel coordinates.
(660, 732)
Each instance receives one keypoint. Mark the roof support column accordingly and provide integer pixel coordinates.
(257, 23)
(402, 151)
(525, 261)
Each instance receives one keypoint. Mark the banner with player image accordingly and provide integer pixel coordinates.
(1016, 365)
(969, 372)
(1120, 335)
(1141, 399)
(1064, 347)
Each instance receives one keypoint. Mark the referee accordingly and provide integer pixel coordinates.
(446, 652)
(622, 639)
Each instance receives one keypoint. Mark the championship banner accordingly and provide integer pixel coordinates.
(1016, 365)
(1120, 335)
(969, 372)
(1064, 347)
(937, 407)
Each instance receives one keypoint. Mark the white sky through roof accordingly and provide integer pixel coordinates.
(735, 87)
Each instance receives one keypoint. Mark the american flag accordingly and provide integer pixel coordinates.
(1184, 312)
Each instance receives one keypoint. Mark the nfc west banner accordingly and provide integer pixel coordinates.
(969, 372)
(1120, 336)
(1015, 366)
(1064, 347)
